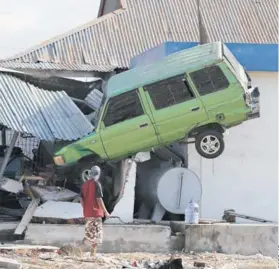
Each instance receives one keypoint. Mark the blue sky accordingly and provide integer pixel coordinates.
(26, 23)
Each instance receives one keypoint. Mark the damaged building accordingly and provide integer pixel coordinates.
(131, 33)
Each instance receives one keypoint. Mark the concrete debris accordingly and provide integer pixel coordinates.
(199, 264)
(63, 210)
(9, 263)
(27, 188)
(10, 185)
(53, 193)
(172, 263)
(79, 259)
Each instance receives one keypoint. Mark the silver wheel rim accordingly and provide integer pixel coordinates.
(85, 175)
(210, 144)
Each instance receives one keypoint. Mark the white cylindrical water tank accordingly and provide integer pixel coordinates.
(172, 187)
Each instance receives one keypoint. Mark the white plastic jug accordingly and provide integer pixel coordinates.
(192, 213)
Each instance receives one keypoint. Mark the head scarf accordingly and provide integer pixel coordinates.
(95, 172)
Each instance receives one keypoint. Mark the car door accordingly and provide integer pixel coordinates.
(175, 107)
(220, 92)
(127, 129)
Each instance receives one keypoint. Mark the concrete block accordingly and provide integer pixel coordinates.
(11, 185)
(63, 210)
(243, 239)
(53, 193)
(117, 238)
(177, 242)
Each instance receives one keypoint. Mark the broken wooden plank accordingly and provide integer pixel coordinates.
(53, 193)
(27, 216)
(11, 185)
(28, 191)
(59, 210)
(31, 178)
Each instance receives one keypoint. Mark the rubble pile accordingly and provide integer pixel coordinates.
(50, 257)
(29, 197)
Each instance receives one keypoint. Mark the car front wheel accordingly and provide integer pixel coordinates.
(210, 144)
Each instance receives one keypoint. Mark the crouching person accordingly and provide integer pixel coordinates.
(93, 209)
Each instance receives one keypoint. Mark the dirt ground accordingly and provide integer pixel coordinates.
(33, 259)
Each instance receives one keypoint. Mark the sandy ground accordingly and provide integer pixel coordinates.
(33, 259)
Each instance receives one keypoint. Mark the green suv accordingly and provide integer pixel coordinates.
(194, 94)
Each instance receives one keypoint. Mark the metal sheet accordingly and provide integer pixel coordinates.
(46, 115)
(94, 99)
(56, 66)
(112, 40)
(241, 21)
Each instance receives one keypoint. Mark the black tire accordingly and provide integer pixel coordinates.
(83, 168)
(204, 151)
(76, 179)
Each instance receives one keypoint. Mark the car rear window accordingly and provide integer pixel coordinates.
(210, 79)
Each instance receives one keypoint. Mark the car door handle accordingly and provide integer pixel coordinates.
(195, 108)
(143, 125)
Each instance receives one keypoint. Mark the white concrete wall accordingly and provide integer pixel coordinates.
(242, 239)
(117, 238)
(245, 177)
(124, 209)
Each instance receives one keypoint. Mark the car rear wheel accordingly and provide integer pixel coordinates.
(210, 144)
(82, 173)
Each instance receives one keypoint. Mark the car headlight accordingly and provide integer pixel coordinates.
(58, 160)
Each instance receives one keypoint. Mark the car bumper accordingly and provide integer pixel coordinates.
(253, 115)
(255, 111)
(255, 104)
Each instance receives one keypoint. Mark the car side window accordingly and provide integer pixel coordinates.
(169, 92)
(123, 107)
(210, 79)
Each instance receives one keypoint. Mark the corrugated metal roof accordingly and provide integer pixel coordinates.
(94, 99)
(169, 66)
(21, 64)
(46, 115)
(112, 40)
(241, 21)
